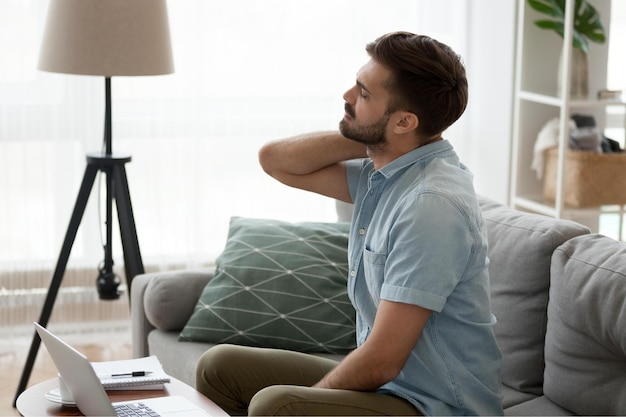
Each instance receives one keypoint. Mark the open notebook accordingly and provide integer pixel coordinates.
(153, 380)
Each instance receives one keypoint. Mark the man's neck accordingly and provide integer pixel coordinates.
(386, 153)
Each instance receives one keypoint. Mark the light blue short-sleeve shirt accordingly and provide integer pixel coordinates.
(417, 237)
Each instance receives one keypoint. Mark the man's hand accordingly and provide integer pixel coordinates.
(312, 162)
(380, 359)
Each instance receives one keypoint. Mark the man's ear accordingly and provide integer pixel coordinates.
(405, 122)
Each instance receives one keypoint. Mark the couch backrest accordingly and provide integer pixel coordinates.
(586, 336)
(520, 249)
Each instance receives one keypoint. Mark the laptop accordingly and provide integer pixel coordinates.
(91, 398)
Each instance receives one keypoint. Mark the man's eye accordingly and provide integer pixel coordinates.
(363, 94)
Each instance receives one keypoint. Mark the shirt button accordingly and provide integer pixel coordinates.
(353, 273)
(361, 231)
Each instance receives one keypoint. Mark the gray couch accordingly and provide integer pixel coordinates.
(558, 292)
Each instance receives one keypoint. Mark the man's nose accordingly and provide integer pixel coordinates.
(349, 95)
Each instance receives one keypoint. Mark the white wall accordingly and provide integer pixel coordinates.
(490, 65)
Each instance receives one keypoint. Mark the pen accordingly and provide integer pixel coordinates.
(131, 374)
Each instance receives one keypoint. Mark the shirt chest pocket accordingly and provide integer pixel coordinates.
(374, 269)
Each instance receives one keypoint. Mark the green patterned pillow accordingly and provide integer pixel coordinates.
(279, 285)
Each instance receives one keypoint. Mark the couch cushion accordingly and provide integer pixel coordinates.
(540, 406)
(512, 397)
(520, 247)
(179, 359)
(586, 339)
(280, 285)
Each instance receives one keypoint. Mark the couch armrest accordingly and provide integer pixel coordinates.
(163, 300)
(139, 324)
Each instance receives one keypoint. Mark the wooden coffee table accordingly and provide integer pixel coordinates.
(32, 402)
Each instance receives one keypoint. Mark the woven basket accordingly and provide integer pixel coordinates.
(591, 179)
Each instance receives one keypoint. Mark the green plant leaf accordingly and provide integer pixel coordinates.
(549, 7)
(590, 25)
(552, 25)
(587, 23)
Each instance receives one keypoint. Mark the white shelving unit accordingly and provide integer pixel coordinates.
(536, 102)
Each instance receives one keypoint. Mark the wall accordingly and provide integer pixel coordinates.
(490, 65)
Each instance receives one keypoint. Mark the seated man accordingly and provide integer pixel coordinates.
(417, 256)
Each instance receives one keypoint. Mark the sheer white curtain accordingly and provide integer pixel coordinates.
(247, 71)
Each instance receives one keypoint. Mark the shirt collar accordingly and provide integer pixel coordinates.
(414, 156)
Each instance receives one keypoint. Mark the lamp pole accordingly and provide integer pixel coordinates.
(107, 282)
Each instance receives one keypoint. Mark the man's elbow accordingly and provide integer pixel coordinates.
(390, 374)
(384, 372)
(265, 158)
(272, 162)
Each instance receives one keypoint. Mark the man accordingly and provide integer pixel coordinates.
(417, 255)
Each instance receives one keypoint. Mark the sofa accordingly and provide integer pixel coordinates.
(558, 293)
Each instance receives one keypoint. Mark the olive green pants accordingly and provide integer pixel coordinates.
(264, 382)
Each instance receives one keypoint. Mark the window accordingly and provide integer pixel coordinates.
(609, 223)
(246, 72)
(616, 69)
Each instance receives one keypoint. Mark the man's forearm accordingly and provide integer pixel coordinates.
(359, 371)
(312, 162)
(382, 356)
(305, 154)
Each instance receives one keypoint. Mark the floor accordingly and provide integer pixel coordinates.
(102, 347)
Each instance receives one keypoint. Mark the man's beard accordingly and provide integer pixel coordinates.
(372, 135)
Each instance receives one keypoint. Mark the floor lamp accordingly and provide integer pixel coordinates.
(104, 38)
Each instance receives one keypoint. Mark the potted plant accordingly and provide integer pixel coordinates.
(587, 27)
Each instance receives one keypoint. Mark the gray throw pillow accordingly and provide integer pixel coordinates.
(586, 339)
(278, 285)
(520, 249)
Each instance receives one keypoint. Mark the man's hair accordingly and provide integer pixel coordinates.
(428, 79)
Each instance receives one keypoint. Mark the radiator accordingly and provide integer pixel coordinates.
(77, 305)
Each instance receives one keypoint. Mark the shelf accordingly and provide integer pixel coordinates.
(540, 98)
(596, 103)
(534, 204)
(538, 76)
(539, 204)
(557, 101)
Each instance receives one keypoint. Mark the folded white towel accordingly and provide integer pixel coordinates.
(548, 137)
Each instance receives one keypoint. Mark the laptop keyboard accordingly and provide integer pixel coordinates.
(136, 409)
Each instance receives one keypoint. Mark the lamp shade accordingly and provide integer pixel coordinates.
(107, 38)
